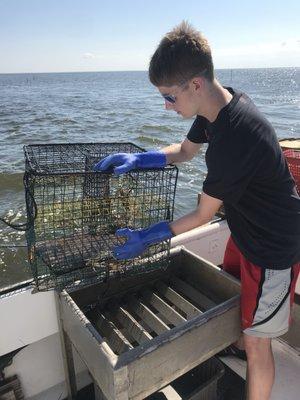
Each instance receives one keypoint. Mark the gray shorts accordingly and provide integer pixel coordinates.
(274, 298)
(267, 295)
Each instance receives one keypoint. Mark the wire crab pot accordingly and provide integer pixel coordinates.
(74, 212)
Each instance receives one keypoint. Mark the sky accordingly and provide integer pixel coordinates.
(115, 35)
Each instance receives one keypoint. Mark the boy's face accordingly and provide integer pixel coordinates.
(180, 99)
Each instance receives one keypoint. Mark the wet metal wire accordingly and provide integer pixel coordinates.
(74, 212)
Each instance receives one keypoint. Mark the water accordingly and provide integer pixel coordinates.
(112, 106)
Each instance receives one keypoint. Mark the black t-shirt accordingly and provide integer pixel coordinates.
(248, 172)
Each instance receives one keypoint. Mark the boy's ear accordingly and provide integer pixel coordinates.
(197, 82)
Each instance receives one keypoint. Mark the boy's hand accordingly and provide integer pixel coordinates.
(124, 162)
(138, 240)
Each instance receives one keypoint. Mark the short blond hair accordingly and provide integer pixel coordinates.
(182, 54)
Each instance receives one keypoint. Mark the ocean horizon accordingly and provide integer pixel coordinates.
(135, 70)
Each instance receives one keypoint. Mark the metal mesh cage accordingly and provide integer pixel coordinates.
(73, 213)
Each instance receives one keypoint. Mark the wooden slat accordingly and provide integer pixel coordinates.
(187, 290)
(179, 301)
(142, 322)
(111, 316)
(147, 315)
(116, 339)
(167, 311)
(136, 316)
(131, 324)
(163, 318)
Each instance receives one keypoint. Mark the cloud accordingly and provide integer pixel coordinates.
(89, 56)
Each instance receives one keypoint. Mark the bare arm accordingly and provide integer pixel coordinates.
(180, 152)
(203, 214)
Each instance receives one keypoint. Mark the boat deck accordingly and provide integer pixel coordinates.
(287, 367)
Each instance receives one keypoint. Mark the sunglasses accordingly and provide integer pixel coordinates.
(169, 98)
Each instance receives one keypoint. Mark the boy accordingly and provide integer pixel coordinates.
(247, 172)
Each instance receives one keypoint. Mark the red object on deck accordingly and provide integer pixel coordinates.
(293, 160)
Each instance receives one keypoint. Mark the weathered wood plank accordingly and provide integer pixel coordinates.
(71, 367)
(210, 280)
(111, 316)
(187, 290)
(117, 341)
(114, 289)
(170, 358)
(89, 344)
(67, 354)
(169, 313)
(179, 301)
(131, 324)
(147, 315)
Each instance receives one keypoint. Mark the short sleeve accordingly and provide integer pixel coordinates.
(197, 132)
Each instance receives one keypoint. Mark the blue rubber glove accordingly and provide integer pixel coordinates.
(124, 162)
(138, 240)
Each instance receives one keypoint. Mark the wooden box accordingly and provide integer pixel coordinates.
(138, 334)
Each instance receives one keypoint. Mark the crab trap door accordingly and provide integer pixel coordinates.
(75, 212)
(149, 329)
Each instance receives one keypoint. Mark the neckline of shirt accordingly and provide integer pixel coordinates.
(235, 98)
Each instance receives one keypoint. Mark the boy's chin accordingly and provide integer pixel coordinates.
(186, 116)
